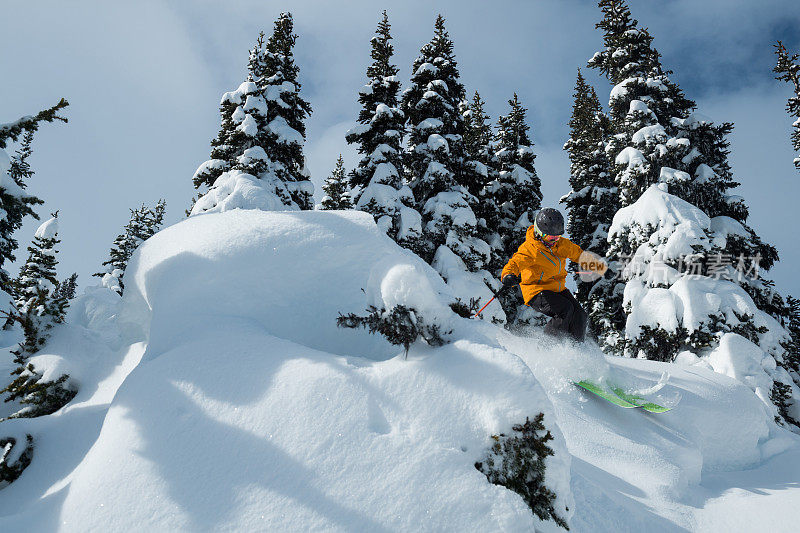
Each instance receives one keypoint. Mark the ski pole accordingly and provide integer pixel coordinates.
(496, 294)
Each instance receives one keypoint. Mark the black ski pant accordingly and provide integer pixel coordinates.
(568, 317)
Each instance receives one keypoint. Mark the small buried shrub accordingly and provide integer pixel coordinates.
(400, 325)
(12, 460)
(41, 397)
(517, 462)
(781, 396)
(465, 310)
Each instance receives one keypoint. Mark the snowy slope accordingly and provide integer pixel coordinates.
(92, 351)
(251, 410)
(668, 472)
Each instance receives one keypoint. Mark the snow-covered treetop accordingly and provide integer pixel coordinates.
(656, 207)
(628, 51)
(48, 230)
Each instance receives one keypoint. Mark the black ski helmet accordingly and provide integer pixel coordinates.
(549, 221)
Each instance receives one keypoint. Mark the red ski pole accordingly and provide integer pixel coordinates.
(496, 294)
(484, 307)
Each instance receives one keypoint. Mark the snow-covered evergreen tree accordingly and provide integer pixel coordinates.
(143, 224)
(518, 193)
(481, 172)
(287, 111)
(336, 189)
(435, 157)
(15, 202)
(592, 200)
(378, 180)
(788, 70)
(515, 194)
(517, 462)
(37, 306)
(40, 305)
(680, 234)
(479, 169)
(257, 158)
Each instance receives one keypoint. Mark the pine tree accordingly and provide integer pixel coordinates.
(13, 461)
(435, 156)
(40, 305)
(788, 70)
(478, 150)
(515, 195)
(335, 188)
(481, 170)
(143, 224)
(518, 195)
(259, 147)
(679, 232)
(378, 180)
(15, 203)
(592, 200)
(287, 111)
(643, 102)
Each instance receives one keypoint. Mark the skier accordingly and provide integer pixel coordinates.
(540, 268)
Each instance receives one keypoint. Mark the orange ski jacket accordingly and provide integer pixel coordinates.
(541, 268)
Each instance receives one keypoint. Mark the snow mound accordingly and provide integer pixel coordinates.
(292, 272)
(243, 417)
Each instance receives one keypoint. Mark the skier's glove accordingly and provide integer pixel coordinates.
(510, 279)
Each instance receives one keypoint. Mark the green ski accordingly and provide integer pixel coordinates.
(606, 395)
(619, 397)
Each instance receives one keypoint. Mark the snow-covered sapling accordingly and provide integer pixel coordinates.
(517, 462)
(39, 306)
(337, 195)
(14, 460)
(143, 224)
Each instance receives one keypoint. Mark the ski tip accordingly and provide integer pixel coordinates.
(604, 394)
(654, 408)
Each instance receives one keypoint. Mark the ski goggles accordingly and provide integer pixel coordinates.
(550, 239)
(545, 237)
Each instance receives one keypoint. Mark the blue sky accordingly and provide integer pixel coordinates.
(144, 81)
